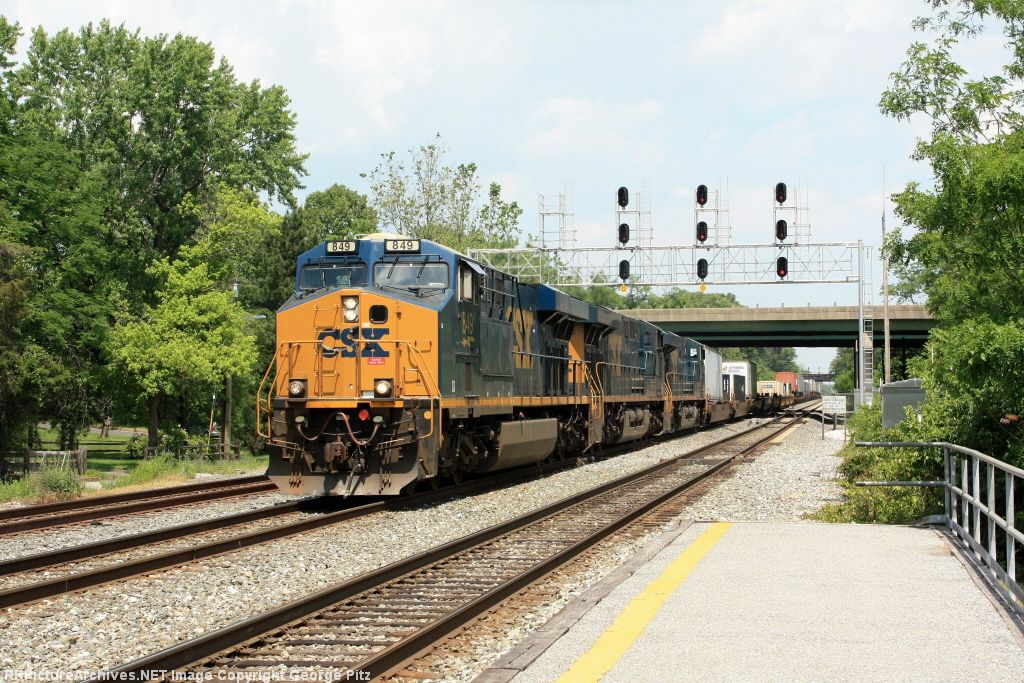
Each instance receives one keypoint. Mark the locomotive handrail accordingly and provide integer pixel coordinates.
(571, 363)
(418, 363)
(692, 382)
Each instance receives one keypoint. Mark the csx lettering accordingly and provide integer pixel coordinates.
(349, 338)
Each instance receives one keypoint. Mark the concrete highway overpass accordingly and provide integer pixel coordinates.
(789, 326)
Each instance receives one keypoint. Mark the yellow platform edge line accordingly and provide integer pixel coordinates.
(633, 620)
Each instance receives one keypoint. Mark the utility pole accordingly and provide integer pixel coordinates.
(885, 291)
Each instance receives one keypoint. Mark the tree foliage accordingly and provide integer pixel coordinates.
(197, 333)
(334, 213)
(128, 169)
(423, 197)
(163, 122)
(965, 252)
(967, 248)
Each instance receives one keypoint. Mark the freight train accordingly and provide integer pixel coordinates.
(400, 362)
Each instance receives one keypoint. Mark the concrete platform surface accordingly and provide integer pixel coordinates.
(783, 602)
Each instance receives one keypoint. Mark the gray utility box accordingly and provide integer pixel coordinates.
(897, 397)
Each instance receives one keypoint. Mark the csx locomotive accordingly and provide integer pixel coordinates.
(402, 362)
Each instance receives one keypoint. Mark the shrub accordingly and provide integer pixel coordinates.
(61, 483)
(26, 487)
(886, 505)
(135, 446)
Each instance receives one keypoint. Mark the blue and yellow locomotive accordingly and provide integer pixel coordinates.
(400, 362)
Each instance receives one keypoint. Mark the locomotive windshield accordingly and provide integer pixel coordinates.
(422, 278)
(330, 275)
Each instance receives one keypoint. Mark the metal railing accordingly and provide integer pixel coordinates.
(973, 485)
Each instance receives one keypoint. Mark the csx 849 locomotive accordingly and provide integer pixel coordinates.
(400, 362)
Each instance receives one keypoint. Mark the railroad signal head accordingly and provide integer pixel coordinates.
(702, 268)
(781, 229)
(622, 197)
(782, 267)
(623, 269)
(623, 233)
(702, 195)
(702, 231)
(780, 193)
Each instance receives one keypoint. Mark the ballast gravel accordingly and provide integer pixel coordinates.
(44, 540)
(109, 625)
(785, 483)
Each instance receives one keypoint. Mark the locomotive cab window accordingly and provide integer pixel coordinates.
(466, 289)
(468, 273)
(419, 277)
(331, 275)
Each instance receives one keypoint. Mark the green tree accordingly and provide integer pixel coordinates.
(842, 366)
(335, 213)
(431, 200)
(164, 122)
(51, 227)
(197, 334)
(967, 251)
(115, 152)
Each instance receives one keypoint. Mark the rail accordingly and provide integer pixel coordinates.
(972, 491)
(402, 594)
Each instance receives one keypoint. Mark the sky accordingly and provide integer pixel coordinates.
(596, 94)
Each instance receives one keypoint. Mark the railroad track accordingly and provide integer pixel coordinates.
(373, 624)
(31, 578)
(32, 517)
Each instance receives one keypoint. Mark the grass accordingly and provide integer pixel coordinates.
(46, 486)
(118, 470)
(167, 470)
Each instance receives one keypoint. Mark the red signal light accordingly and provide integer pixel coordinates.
(702, 195)
(623, 270)
(780, 193)
(702, 268)
(782, 267)
(702, 231)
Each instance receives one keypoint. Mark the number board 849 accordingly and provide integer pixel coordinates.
(401, 246)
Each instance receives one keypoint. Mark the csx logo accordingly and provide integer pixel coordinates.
(348, 338)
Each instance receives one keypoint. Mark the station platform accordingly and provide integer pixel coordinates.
(779, 602)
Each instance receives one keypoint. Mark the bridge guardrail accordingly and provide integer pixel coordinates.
(971, 494)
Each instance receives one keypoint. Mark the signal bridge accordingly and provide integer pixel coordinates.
(790, 259)
(679, 265)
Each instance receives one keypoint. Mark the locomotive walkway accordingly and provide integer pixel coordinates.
(780, 601)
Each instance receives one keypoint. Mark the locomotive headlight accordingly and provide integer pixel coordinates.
(351, 306)
(297, 388)
(382, 388)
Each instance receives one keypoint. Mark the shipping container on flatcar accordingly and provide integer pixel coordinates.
(745, 370)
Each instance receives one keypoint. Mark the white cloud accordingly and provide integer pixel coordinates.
(589, 126)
